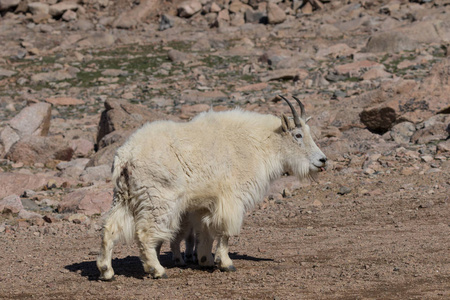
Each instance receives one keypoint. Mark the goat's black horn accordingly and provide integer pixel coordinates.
(294, 112)
(302, 108)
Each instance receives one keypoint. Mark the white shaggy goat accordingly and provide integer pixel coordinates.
(214, 168)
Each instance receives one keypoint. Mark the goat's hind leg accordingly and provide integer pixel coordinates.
(149, 241)
(110, 236)
(175, 248)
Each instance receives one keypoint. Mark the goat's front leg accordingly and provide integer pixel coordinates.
(222, 259)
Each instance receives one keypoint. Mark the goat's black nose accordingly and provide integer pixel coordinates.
(323, 160)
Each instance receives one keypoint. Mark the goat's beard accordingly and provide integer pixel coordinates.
(300, 169)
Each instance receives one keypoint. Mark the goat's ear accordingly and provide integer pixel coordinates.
(285, 123)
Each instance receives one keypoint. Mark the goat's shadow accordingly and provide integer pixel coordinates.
(131, 266)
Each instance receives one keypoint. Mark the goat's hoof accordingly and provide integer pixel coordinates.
(190, 259)
(103, 278)
(228, 269)
(179, 262)
(163, 276)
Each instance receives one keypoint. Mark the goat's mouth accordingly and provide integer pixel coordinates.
(320, 168)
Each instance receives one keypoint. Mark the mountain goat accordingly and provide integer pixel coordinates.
(213, 168)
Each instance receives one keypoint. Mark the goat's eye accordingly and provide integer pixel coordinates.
(298, 135)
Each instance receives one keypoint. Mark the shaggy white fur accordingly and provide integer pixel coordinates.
(215, 168)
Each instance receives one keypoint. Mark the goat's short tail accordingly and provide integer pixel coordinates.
(120, 223)
(120, 220)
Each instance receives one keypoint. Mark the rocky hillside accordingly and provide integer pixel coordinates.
(76, 78)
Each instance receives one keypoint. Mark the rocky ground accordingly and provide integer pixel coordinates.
(76, 78)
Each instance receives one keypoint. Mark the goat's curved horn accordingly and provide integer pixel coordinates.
(302, 108)
(294, 112)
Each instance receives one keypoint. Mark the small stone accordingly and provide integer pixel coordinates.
(426, 204)
(426, 158)
(17, 165)
(317, 203)
(369, 171)
(28, 193)
(69, 15)
(51, 184)
(39, 165)
(344, 190)
(79, 219)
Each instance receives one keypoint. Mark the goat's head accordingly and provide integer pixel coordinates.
(305, 157)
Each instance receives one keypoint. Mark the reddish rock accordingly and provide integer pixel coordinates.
(82, 147)
(422, 32)
(56, 10)
(69, 15)
(178, 56)
(329, 31)
(121, 115)
(105, 156)
(15, 183)
(130, 19)
(11, 204)
(307, 9)
(433, 133)
(376, 73)
(188, 8)
(36, 149)
(97, 39)
(8, 137)
(73, 168)
(8, 4)
(189, 111)
(398, 102)
(51, 76)
(195, 96)
(89, 201)
(391, 42)
(354, 69)
(444, 146)
(237, 6)
(253, 87)
(97, 173)
(38, 8)
(28, 215)
(338, 50)
(275, 14)
(64, 101)
(34, 119)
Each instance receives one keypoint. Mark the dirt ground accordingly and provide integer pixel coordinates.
(389, 238)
